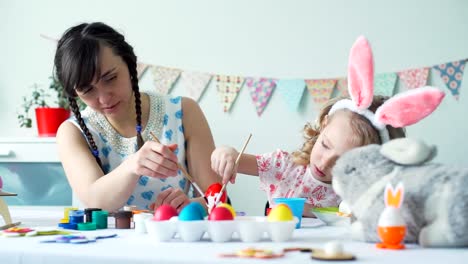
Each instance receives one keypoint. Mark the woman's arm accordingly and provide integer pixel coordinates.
(200, 144)
(110, 191)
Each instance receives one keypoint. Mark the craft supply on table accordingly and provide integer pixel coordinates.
(77, 239)
(89, 214)
(332, 251)
(123, 219)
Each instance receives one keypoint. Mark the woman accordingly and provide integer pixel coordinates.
(107, 152)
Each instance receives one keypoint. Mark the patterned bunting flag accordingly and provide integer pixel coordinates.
(384, 84)
(414, 78)
(164, 78)
(292, 91)
(342, 86)
(228, 88)
(321, 90)
(452, 75)
(260, 90)
(141, 68)
(194, 83)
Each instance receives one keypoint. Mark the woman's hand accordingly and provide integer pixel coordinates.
(154, 160)
(223, 161)
(174, 197)
(308, 210)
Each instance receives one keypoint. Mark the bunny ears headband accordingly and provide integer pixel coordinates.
(401, 110)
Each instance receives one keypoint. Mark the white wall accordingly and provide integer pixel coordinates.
(271, 38)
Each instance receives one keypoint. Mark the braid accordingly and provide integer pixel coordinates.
(76, 111)
(136, 91)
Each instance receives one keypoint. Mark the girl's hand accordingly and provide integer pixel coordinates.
(308, 210)
(223, 161)
(154, 160)
(174, 197)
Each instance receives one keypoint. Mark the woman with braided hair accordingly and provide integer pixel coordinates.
(106, 150)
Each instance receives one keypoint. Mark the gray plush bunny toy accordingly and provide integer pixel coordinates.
(435, 207)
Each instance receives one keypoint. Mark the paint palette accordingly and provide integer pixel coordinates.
(331, 216)
(243, 228)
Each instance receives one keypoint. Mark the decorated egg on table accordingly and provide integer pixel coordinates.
(213, 191)
(220, 214)
(225, 205)
(191, 212)
(281, 212)
(201, 209)
(164, 212)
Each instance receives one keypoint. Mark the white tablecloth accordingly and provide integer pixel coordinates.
(130, 247)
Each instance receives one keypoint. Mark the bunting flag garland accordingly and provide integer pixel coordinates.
(342, 86)
(164, 78)
(260, 90)
(321, 90)
(292, 91)
(452, 75)
(194, 83)
(384, 84)
(228, 88)
(141, 68)
(414, 78)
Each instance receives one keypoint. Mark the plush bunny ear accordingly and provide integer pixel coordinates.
(409, 107)
(361, 74)
(394, 197)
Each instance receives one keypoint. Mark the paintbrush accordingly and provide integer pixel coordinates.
(184, 172)
(235, 165)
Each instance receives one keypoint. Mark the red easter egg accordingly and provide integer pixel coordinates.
(164, 212)
(214, 189)
(220, 214)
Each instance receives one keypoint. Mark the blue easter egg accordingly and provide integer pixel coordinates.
(191, 212)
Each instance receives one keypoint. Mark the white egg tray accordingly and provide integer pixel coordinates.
(248, 229)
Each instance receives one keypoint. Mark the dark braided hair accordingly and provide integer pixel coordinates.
(77, 63)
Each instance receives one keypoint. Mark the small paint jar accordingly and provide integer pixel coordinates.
(76, 216)
(123, 219)
(140, 225)
(100, 219)
(89, 214)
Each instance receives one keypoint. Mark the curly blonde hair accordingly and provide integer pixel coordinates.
(364, 132)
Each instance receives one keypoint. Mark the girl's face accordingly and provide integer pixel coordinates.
(110, 93)
(336, 138)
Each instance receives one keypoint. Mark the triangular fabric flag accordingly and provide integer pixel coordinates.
(164, 78)
(342, 87)
(141, 68)
(452, 75)
(384, 84)
(321, 90)
(194, 83)
(228, 88)
(260, 90)
(292, 91)
(414, 78)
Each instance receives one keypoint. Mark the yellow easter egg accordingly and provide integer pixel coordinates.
(281, 212)
(227, 206)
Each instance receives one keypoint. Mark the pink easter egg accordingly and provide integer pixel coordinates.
(164, 212)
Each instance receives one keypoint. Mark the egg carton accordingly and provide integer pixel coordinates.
(249, 229)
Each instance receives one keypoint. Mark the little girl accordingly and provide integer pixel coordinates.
(342, 125)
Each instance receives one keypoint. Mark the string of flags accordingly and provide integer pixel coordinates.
(292, 90)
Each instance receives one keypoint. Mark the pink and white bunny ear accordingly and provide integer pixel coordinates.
(361, 74)
(409, 107)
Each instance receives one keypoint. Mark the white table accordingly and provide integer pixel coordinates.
(130, 247)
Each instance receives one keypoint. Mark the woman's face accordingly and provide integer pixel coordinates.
(336, 138)
(110, 93)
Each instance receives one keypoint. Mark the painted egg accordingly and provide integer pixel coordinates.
(281, 212)
(164, 212)
(225, 205)
(191, 212)
(201, 209)
(214, 189)
(220, 214)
